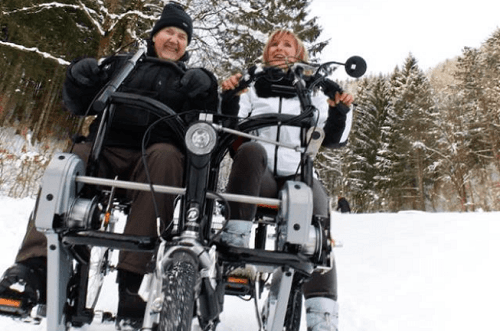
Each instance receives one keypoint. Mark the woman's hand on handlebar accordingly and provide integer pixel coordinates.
(232, 82)
(345, 98)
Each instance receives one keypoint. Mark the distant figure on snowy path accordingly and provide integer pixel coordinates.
(343, 205)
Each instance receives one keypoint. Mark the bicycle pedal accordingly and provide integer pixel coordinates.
(103, 317)
(19, 309)
(127, 324)
(14, 307)
(238, 285)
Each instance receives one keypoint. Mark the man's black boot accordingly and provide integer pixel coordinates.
(131, 306)
(23, 286)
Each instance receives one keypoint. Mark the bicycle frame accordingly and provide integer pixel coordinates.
(70, 219)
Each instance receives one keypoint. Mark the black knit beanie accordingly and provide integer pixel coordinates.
(174, 15)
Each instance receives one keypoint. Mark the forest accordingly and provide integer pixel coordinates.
(420, 141)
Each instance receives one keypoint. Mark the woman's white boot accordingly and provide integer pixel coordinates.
(322, 314)
(237, 233)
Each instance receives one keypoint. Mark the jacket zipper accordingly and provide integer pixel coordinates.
(278, 130)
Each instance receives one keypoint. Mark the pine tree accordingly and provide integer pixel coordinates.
(453, 158)
(488, 99)
(36, 41)
(392, 155)
(478, 85)
(365, 143)
(381, 179)
(413, 133)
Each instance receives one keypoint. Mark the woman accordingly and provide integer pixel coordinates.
(260, 169)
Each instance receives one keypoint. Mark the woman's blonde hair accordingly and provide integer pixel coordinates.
(301, 55)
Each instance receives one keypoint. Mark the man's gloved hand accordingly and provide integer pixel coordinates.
(195, 82)
(87, 72)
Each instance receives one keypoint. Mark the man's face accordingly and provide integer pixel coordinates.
(170, 43)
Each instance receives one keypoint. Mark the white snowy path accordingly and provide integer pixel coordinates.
(408, 271)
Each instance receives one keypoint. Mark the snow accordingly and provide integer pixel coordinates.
(407, 271)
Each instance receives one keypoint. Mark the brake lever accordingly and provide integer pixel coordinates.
(246, 79)
(102, 100)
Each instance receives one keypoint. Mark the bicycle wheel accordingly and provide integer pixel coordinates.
(98, 268)
(293, 312)
(179, 287)
(294, 307)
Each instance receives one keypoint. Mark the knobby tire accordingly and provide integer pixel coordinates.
(179, 287)
(294, 307)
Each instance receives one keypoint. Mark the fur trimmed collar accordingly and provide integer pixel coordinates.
(275, 83)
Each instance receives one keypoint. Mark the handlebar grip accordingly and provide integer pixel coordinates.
(101, 102)
(113, 85)
(232, 93)
(243, 83)
(330, 88)
(248, 77)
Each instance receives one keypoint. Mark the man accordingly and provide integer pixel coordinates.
(186, 91)
(343, 205)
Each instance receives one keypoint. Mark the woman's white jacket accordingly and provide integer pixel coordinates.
(283, 161)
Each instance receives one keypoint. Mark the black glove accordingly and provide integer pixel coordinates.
(330, 88)
(195, 83)
(343, 108)
(86, 72)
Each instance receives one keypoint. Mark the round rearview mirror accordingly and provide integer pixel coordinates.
(355, 66)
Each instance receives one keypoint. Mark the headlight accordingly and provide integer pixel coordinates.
(201, 138)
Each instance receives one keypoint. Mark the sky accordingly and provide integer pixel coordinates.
(385, 32)
(408, 271)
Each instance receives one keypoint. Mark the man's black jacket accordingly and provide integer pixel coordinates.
(157, 79)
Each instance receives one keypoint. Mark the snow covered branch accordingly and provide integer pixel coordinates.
(35, 50)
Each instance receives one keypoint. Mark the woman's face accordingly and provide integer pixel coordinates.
(282, 51)
(170, 43)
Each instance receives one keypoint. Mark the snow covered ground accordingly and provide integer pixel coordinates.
(408, 271)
